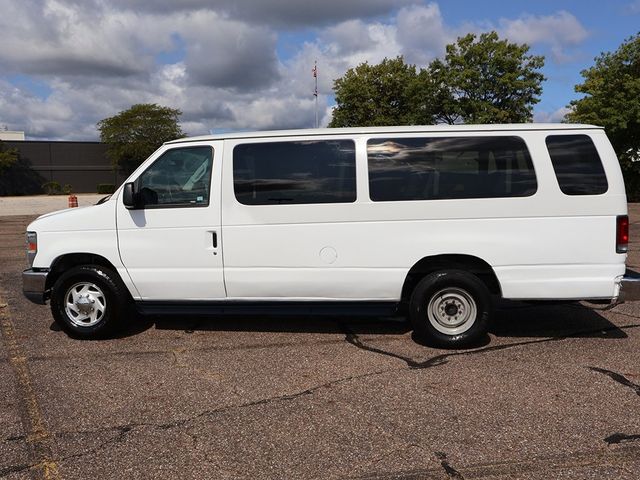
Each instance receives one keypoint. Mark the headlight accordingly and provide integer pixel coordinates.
(32, 247)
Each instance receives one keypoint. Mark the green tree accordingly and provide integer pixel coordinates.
(16, 175)
(480, 80)
(611, 89)
(487, 80)
(432, 100)
(134, 134)
(7, 157)
(374, 95)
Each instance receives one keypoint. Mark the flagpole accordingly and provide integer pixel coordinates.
(315, 92)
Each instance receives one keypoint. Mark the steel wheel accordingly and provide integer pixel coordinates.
(85, 304)
(450, 308)
(452, 311)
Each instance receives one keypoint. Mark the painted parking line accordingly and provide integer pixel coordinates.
(38, 437)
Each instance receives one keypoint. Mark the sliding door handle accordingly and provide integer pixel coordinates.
(215, 239)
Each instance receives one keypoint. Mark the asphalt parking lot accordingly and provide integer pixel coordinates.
(554, 394)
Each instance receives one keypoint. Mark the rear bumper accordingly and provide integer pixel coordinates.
(629, 287)
(34, 285)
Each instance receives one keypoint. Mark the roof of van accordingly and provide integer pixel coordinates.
(400, 129)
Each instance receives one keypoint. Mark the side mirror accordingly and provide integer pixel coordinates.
(129, 195)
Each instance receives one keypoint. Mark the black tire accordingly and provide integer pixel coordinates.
(442, 300)
(101, 289)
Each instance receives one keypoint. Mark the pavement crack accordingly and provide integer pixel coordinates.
(618, 377)
(269, 400)
(263, 401)
(450, 471)
(207, 413)
(625, 314)
(521, 468)
(5, 471)
(352, 338)
(123, 431)
(616, 438)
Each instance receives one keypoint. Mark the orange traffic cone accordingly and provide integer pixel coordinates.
(73, 201)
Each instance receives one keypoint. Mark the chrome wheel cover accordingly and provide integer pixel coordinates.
(85, 304)
(452, 311)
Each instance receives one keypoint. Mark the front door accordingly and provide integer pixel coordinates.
(171, 245)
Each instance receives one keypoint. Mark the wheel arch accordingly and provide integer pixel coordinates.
(70, 260)
(469, 263)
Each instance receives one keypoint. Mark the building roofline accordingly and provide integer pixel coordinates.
(22, 142)
(399, 129)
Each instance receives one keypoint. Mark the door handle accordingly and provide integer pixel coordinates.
(215, 239)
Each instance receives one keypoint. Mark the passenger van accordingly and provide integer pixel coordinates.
(432, 221)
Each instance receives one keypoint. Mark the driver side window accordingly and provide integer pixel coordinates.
(179, 178)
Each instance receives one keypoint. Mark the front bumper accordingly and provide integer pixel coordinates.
(34, 284)
(629, 287)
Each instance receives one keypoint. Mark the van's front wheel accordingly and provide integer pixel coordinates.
(88, 301)
(451, 308)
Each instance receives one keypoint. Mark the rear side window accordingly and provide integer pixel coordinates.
(449, 168)
(274, 173)
(577, 165)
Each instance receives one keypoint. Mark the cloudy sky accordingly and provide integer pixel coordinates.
(246, 64)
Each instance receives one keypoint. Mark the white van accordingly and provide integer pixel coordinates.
(434, 220)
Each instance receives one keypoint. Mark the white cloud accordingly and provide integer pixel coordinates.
(275, 112)
(99, 58)
(227, 53)
(555, 116)
(347, 45)
(423, 33)
(349, 37)
(51, 37)
(558, 31)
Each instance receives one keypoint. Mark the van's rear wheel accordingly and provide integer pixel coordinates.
(451, 308)
(89, 301)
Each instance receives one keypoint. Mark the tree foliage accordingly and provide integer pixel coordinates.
(374, 95)
(480, 80)
(488, 80)
(612, 100)
(8, 157)
(16, 175)
(134, 134)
